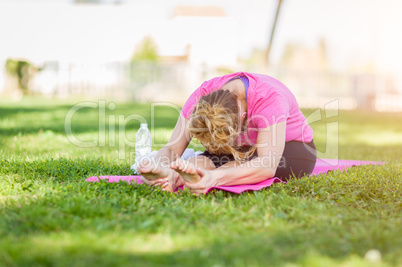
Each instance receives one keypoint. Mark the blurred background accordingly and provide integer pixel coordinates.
(160, 50)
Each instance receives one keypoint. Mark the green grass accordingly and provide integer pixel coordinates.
(49, 216)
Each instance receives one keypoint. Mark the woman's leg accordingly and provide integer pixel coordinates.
(296, 168)
(217, 160)
(298, 159)
(202, 162)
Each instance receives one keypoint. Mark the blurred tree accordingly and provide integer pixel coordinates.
(322, 46)
(21, 70)
(223, 70)
(302, 57)
(144, 67)
(256, 58)
(146, 51)
(288, 54)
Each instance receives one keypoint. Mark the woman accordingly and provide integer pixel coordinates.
(252, 129)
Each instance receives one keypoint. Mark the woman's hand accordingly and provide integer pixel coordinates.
(207, 181)
(169, 182)
(154, 174)
(153, 182)
(196, 179)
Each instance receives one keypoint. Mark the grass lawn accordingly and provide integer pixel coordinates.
(49, 215)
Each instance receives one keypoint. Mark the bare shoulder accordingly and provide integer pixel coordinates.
(234, 85)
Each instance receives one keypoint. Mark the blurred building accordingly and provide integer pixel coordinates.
(104, 33)
(86, 49)
(200, 35)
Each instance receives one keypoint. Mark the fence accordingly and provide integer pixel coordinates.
(127, 81)
(174, 82)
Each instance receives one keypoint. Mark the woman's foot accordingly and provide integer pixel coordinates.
(159, 176)
(151, 171)
(187, 170)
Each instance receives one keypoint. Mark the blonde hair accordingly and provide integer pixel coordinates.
(215, 122)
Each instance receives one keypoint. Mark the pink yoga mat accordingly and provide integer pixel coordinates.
(321, 167)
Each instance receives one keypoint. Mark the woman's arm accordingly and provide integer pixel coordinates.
(270, 146)
(178, 142)
(155, 170)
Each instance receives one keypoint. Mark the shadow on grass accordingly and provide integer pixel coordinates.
(46, 225)
(31, 120)
(113, 232)
(262, 249)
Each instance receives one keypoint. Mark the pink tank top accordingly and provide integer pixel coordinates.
(268, 102)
